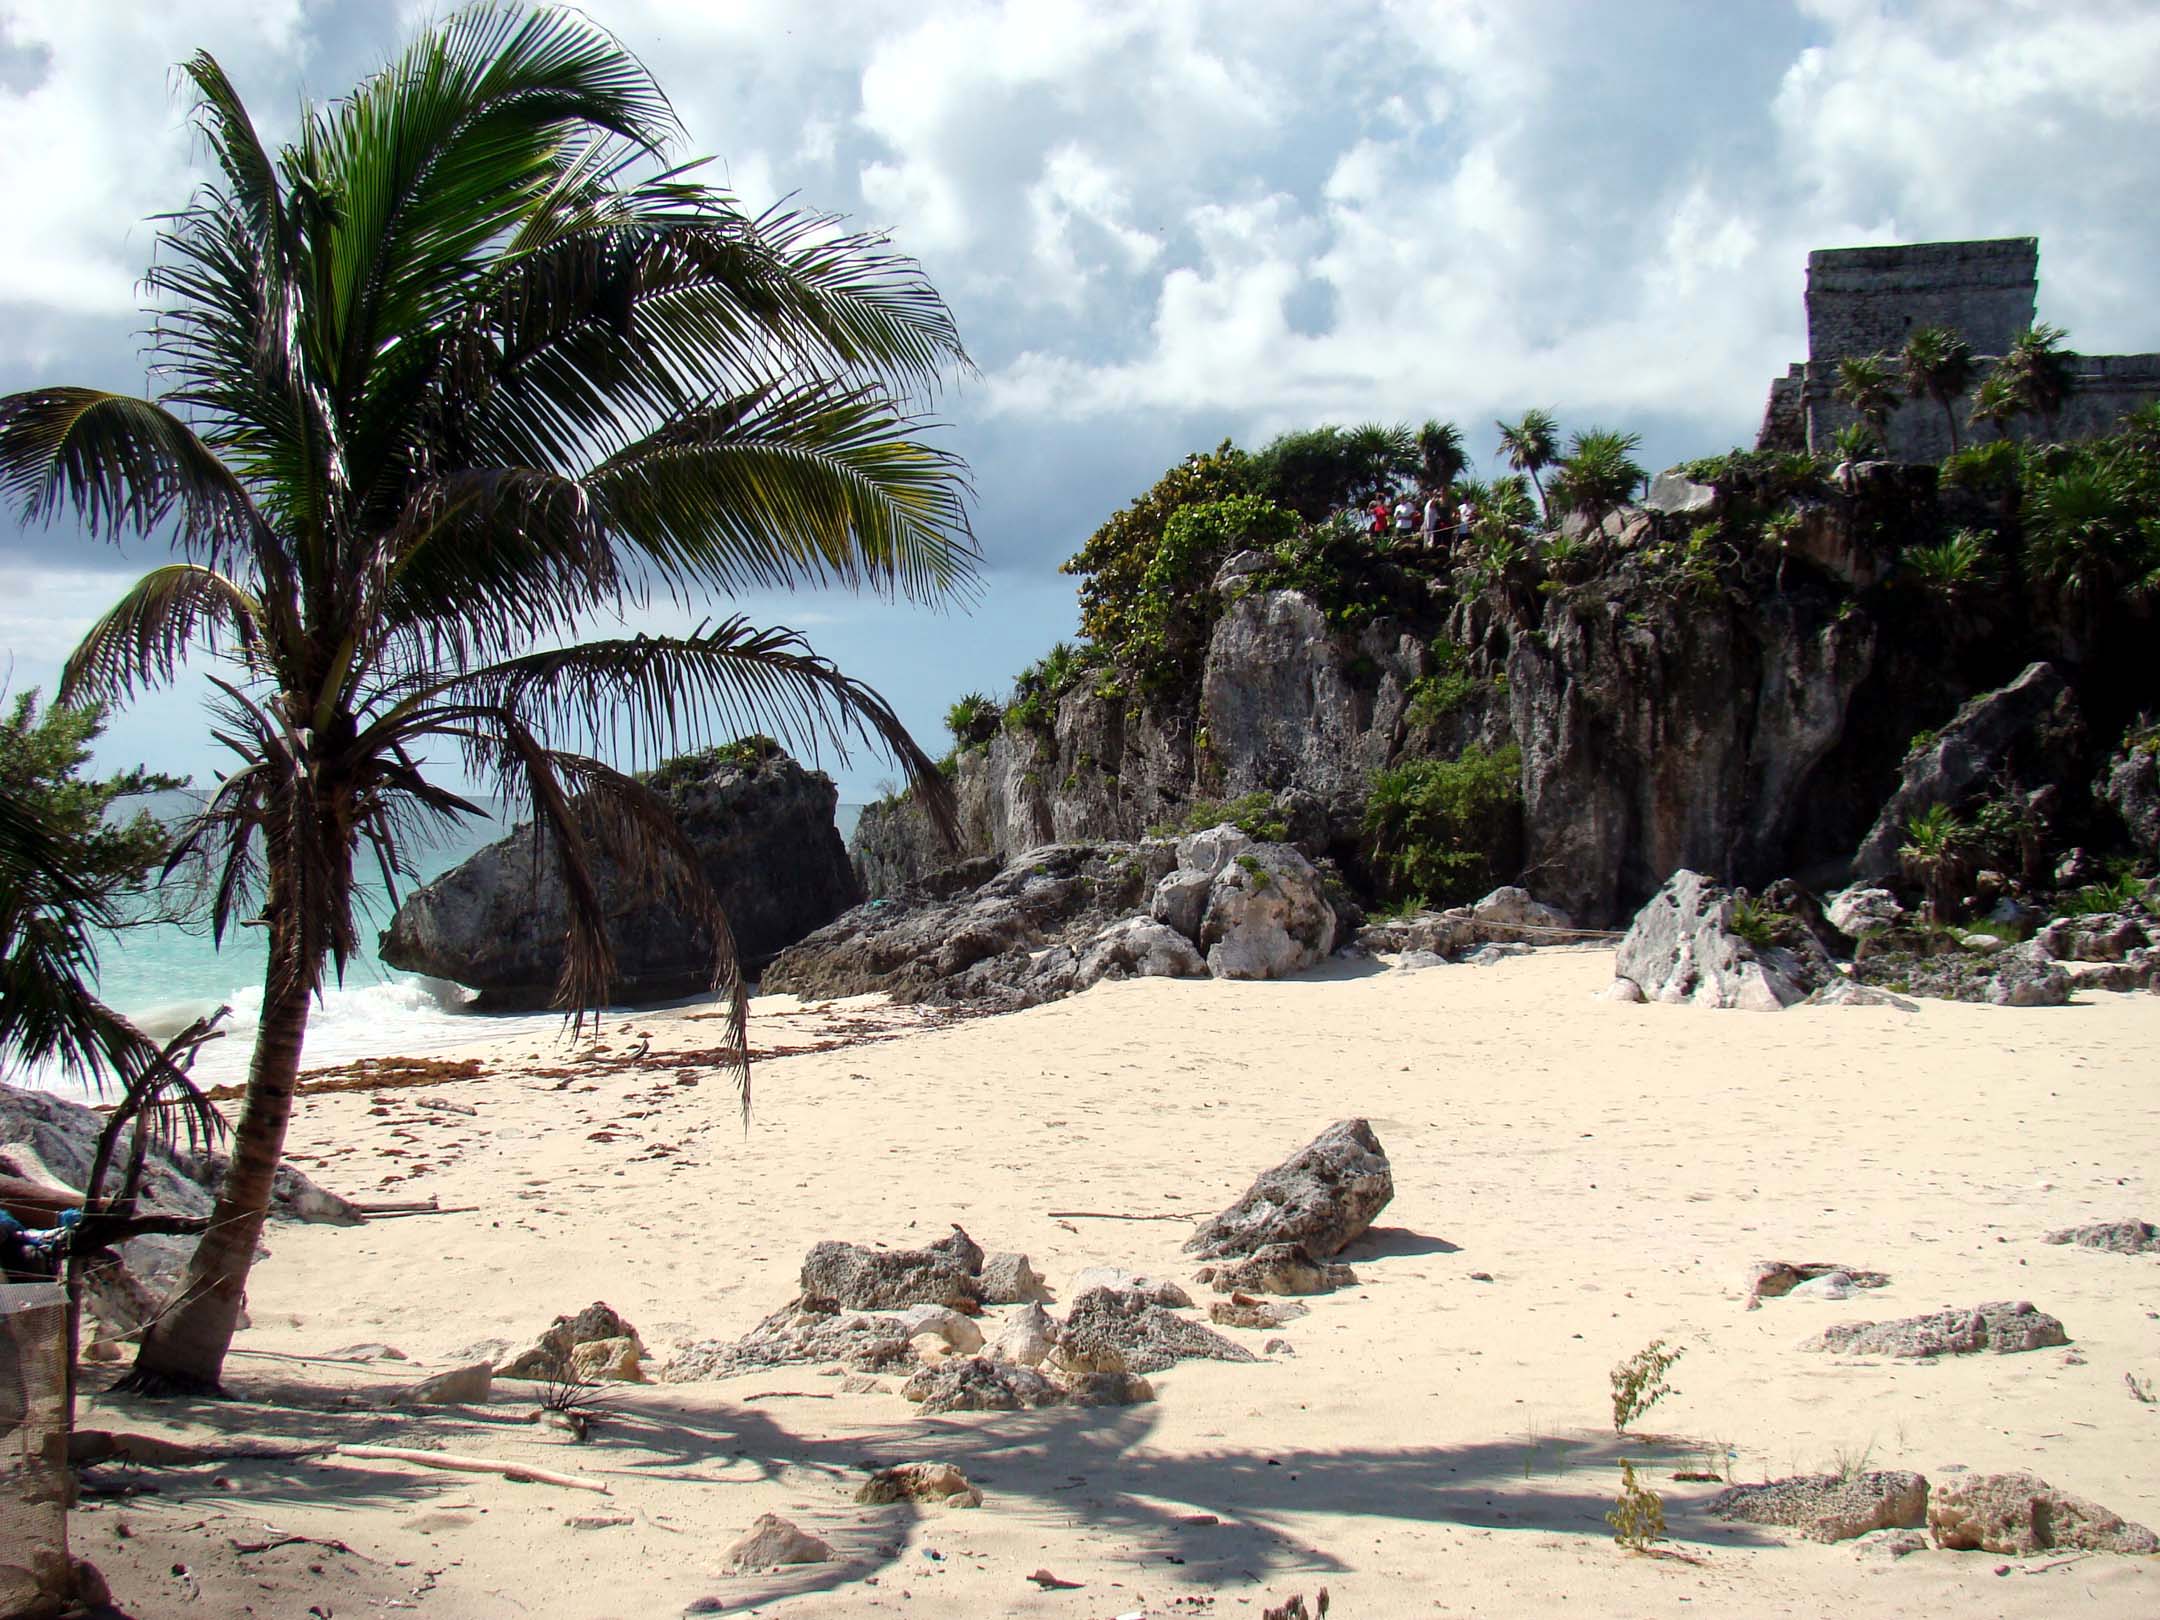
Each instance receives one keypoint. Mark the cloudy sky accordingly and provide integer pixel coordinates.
(1164, 224)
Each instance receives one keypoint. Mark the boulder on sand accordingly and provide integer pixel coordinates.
(2002, 1326)
(772, 1541)
(1682, 948)
(1258, 910)
(1116, 1332)
(1319, 1198)
(941, 1484)
(852, 1277)
(1829, 1507)
(2018, 1514)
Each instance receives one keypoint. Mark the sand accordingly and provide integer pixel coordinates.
(1574, 1179)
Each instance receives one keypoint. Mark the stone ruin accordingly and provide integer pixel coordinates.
(1868, 300)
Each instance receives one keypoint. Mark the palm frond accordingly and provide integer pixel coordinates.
(142, 639)
(124, 465)
(727, 681)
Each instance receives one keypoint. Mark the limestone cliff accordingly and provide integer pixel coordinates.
(1680, 698)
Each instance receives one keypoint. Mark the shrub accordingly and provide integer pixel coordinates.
(1756, 923)
(1113, 563)
(1438, 828)
(1318, 471)
(1254, 815)
(973, 721)
(745, 753)
(1176, 608)
(1434, 697)
(1995, 469)
(1638, 1383)
(1638, 1513)
(1951, 566)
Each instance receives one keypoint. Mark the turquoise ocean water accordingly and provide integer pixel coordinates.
(165, 976)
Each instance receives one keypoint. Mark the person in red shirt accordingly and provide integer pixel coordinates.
(1382, 515)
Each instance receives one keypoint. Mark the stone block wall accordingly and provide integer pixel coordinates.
(1870, 300)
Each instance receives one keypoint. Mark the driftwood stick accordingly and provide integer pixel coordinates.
(418, 1209)
(1109, 1215)
(474, 1465)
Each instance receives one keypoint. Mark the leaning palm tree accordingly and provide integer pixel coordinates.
(1867, 383)
(1939, 366)
(1531, 445)
(462, 365)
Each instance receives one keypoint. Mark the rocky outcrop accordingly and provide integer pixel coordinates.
(939, 1484)
(2113, 1237)
(846, 1276)
(1013, 941)
(2016, 1515)
(765, 839)
(1829, 1507)
(1256, 909)
(554, 1356)
(2017, 976)
(1064, 917)
(2130, 786)
(1682, 948)
(2026, 731)
(2003, 1328)
(1107, 1331)
(1319, 1199)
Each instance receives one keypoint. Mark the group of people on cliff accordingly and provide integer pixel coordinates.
(1439, 523)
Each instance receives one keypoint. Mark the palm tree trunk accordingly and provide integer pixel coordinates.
(183, 1351)
(1544, 512)
(1950, 417)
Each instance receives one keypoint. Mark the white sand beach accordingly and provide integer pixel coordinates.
(1573, 1179)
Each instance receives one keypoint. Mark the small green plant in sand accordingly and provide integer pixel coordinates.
(1638, 1515)
(1638, 1383)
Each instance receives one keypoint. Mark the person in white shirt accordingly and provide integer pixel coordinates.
(1465, 519)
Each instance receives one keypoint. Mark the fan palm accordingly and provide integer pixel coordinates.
(1441, 458)
(2039, 373)
(462, 365)
(1867, 383)
(1996, 402)
(1531, 445)
(1939, 366)
(1599, 473)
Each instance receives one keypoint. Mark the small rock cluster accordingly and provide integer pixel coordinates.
(594, 1346)
(2001, 1327)
(1685, 946)
(915, 1310)
(2014, 1514)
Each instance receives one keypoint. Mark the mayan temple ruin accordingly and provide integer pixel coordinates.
(1868, 300)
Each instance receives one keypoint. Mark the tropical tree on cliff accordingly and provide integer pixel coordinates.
(1598, 473)
(462, 364)
(2038, 373)
(1867, 383)
(1938, 365)
(1441, 457)
(1531, 444)
(1996, 403)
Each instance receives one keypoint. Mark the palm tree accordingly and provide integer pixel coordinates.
(1996, 402)
(1933, 850)
(1598, 473)
(1868, 385)
(2039, 373)
(1855, 441)
(462, 365)
(1531, 445)
(1441, 458)
(1939, 366)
